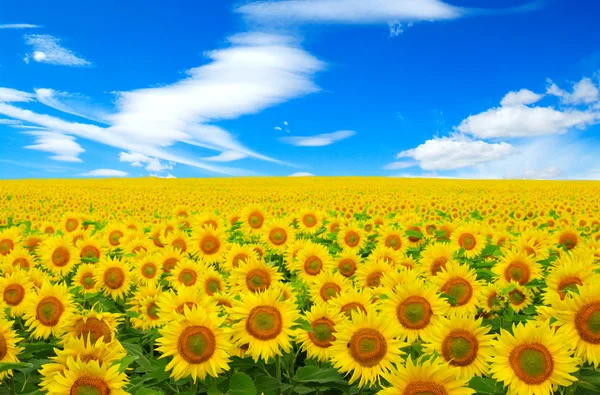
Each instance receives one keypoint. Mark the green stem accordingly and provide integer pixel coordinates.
(278, 371)
(12, 385)
(194, 387)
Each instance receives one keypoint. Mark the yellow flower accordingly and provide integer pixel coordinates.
(351, 237)
(88, 377)
(254, 275)
(517, 266)
(185, 274)
(8, 345)
(328, 285)
(347, 263)
(460, 282)
(317, 343)
(48, 311)
(278, 234)
(58, 255)
(84, 277)
(113, 277)
(15, 288)
(9, 239)
(312, 260)
(209, 243)
(435, 257)
(468, 239)
(93, 325)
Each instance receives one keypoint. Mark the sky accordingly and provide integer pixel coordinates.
(395, 88)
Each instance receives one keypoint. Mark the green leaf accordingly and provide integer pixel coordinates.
(148, 391)
(313, 374)
(241, 384)
(483, 385)
(4, 366)
(135, 350)
(414, 233)
(451, 299)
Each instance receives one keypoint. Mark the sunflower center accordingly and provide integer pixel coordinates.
(467, 241)
(517, 271)
(181, 308)
(347, 267)
(278, 236)
(114, 238)
(87, 281)
(309, 220)
(71, 224)
(89, 252)
(393, 241)
(210, 245)
(322, 334)
(313, 265)
(179, 244)
(569, 240)
(188, 277)
(21, 263)
(212, 285)
(3, 347)
(438, 265)
(87, 385)
(6, 246)
(492, 301)
(414, 239)
(93, 329)
(152, 311)
(210, 222)
(196, 344)
(414, 312)
(258, 280)
(351, 239)
(149, 270)
(237, 259)
(587, 322)
(256, 220)
(60, 256)
(568, 284)
(114, 278)
(516, 297)
(374, 279)
(264, 323)
(424, 388)
(460, 348)
(532, 363)
(367, 347)
(329, 290)
(169, 264)
(49, 310)
(13, 295)
(348, 308)
(460, 289)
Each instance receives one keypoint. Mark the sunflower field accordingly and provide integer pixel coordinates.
(299, 286)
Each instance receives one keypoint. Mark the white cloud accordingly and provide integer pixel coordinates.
(226, 156)
(456, 152)
(105, 173)
(69, 103)
(168, 176)
(524, 96)
(523, 121)
(11, 122)
(350, 11)
(547, 173)
(138, 160)
(277, 128)
(319, 140)
(18, 26)
(64, 148)
(584, 92)
(47, 49)
(301, 174)
(399, 165)
(8, 95)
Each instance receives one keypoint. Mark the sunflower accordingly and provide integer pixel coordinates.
(435, 257)
(535, 243)
(517, 266)
(15, 288)
(88, 378)
(532, 360)
(569, 238)
(113, 277)
(264, 322)
(211, 281)
(310, 221)
(9, 239)
(208, 219)
(459, 282)
(48, 311)
(328, 285)
(292, 251)
(58, 255)
(94, 325)
(491, 299)
(236, 255)
(186, 273)
(347, 263)
(317, 343)
(469, 239)
(253, 219)
(519, 297)
(144, 303)
(398, 276)
(569, 272)
(278, 234)
(71, 222)
(352, 299)
(351, 237)
(20, 258)
(171, 304)
(388, 255)
(168, 258)
(147, 269)
(254, 275)
(414, 234)
(462, 342)
(113, 233)
(209, 243)
(178, 239)
(90, 249)
(312, 260)
(369, 274)
(198, 344)
(416, 307)
(139, 245)
(8, 345)
(580, 319)
(426, 377)
(392, 238)
(367, 346)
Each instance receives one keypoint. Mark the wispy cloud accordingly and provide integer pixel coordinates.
(226, 156)
(105, 173)
(47, 49)
(301, 174)
(18, 26)
(64, 148)
(70, 103)
(8, 95)
(319, 140)
(400, 165)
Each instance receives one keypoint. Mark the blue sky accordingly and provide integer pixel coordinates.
(404, 88)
